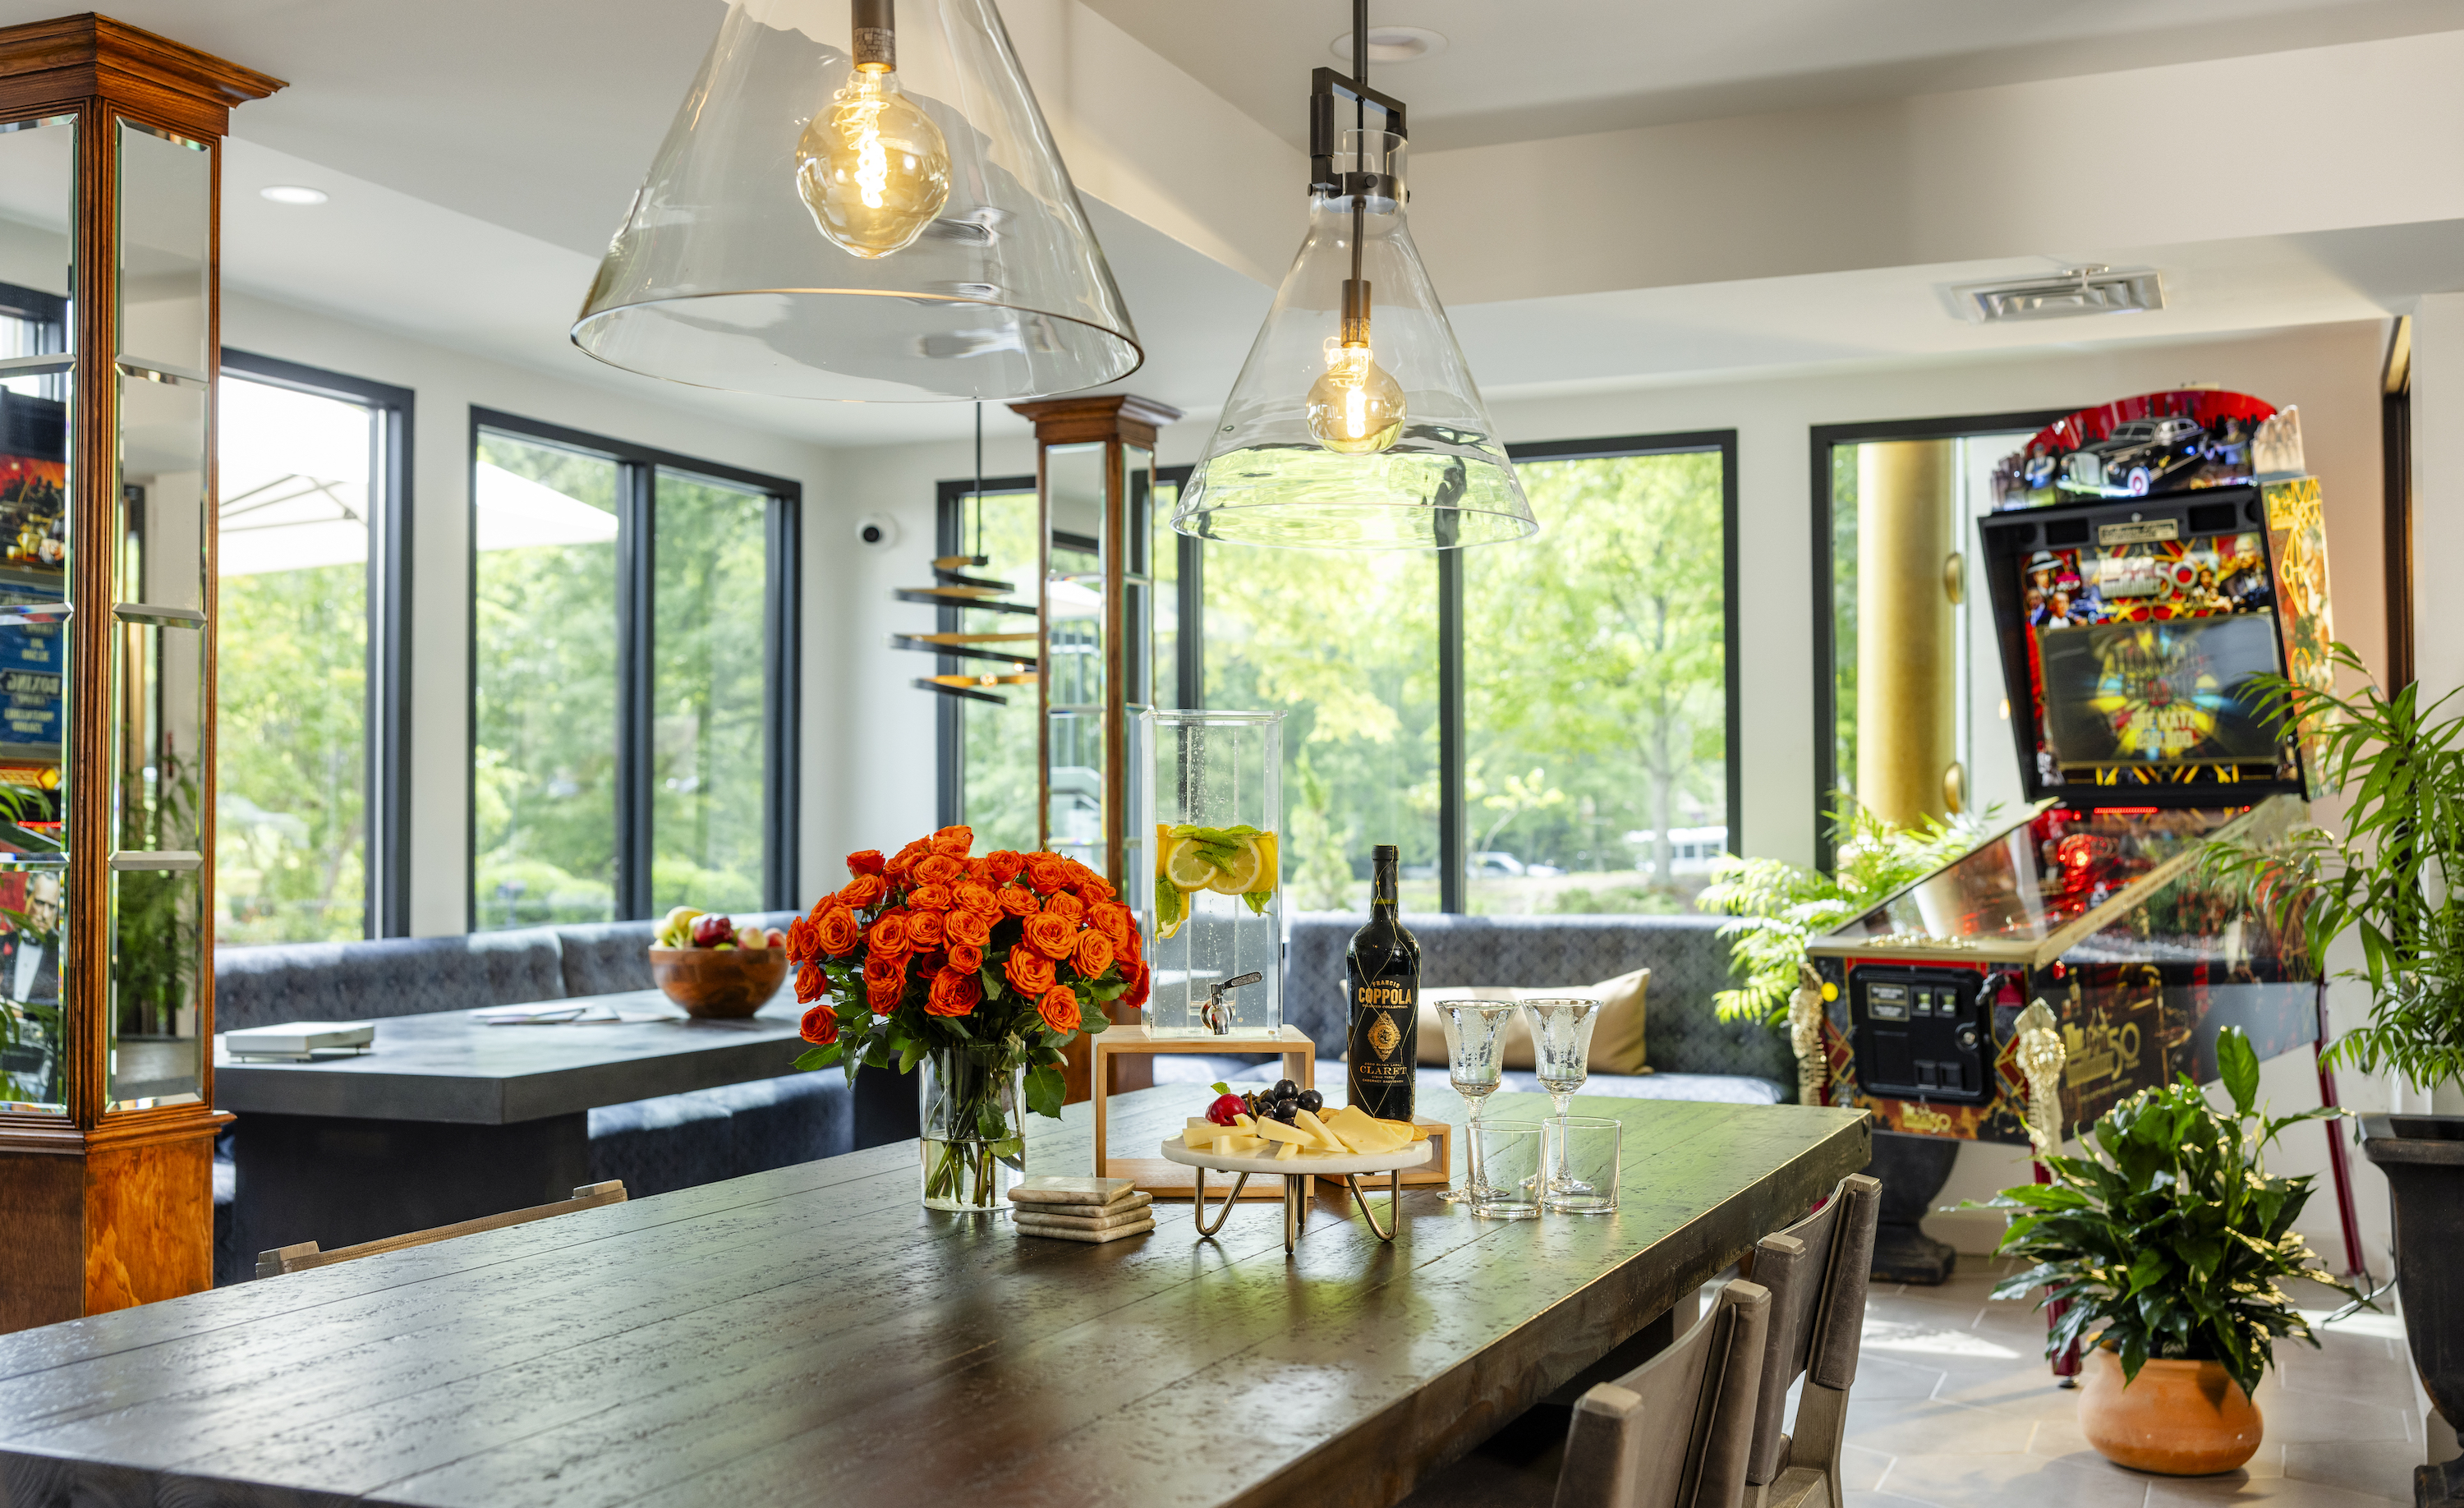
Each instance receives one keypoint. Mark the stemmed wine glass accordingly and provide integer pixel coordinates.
(1475, 1057)
(1561, 1049)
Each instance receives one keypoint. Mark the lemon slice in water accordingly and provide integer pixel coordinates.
(1242, 873)
(1186, 866)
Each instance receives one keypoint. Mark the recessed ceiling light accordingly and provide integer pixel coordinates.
(299, 194)
(1392, 44)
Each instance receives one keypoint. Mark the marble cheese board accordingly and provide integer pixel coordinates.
(1322, 1165)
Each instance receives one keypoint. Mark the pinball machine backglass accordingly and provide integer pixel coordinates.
(2133, 625)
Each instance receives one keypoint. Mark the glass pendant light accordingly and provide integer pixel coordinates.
(1354, 424)
(863, 206)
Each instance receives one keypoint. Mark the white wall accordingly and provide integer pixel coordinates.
(448, 386)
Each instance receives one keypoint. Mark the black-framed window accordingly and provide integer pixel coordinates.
(313, 662)
(633, 666)
(1979, 739)
(1548, 726)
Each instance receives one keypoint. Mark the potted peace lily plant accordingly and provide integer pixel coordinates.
(2165, 1244)
(2394, 881)
(978, 969)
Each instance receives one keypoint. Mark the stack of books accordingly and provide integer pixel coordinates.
(1081, 1208)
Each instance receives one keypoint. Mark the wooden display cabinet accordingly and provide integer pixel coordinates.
(110, 184)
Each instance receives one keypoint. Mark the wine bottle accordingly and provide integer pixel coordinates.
(1382, 970)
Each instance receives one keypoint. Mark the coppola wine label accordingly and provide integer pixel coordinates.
(1382, 968)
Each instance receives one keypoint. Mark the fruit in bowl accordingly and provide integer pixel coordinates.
(713, 967)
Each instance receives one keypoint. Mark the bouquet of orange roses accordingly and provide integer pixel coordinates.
(979, 966)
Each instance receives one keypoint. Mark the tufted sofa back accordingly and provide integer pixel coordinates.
(1688, 958)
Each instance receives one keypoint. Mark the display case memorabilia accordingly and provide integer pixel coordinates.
(110, 143)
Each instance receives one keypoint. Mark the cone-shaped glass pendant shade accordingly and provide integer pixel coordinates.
(876, 217)
(1355, 424)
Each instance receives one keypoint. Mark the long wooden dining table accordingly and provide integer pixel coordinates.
(812, 1336)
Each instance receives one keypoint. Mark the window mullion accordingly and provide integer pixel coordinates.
(636, 558)
(1451, 855)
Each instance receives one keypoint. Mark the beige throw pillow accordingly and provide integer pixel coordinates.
(1616, 1038)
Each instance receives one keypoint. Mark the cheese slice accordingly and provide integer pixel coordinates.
(1287, 1152)
(1200, 1134)
(1233, 1143)
(1288, 1135)
(1241, 1120)
(1323, 1140)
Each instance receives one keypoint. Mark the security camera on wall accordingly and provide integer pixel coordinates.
(876, 531)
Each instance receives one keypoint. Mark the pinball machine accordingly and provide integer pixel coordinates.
(2140, 586)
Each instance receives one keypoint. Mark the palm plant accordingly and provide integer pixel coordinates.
(2169, 1238)
(1780, 906)
(2396, 880)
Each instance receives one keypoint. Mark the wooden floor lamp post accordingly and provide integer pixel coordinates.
(110, 184)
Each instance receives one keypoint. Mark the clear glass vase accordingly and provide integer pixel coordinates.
(1213, 911)
(973, 1129)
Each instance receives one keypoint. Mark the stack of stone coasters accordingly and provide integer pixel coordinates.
(1081, 1208)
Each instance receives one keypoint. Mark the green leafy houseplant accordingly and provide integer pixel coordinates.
(2396, 880)
(2169, 1238)
(1780, 906)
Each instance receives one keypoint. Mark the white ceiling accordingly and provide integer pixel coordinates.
(478, 152)
(1545, 68)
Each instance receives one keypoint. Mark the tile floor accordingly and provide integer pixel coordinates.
(1954, 1407)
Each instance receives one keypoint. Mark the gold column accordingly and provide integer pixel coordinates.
(1906, 659)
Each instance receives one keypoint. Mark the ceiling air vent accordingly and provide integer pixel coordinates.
(2061, 296)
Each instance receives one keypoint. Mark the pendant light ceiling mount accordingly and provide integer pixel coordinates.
(864, 205)
(1354, 424)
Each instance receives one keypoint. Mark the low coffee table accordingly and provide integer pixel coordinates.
(446, 1118)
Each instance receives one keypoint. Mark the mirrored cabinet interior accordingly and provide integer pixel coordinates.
(110, 143)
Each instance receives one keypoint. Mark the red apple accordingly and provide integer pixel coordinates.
(709, 931)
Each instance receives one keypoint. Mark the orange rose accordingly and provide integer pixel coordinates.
(1006, 865)
(885, 969)
(967, 927)
(1093, 891)
(1130, 947)
(1059, 1009)
(979, 869)
(924, 928)
(955, 993)
(1113, 920)
(976, 896)
(1080, 874)
(955, 841)
(1048, 872)
(929, 898)
(905, 859)
(1136, 995)
(888, 934)
(1067, 905)
(802, 937)
(966, 957)
(938, 869)
(1094, 953)
(884, 999)
(820, 1026)
(1019, 902)
(868, 862)
(1028, 972)
(811, 984)
(863, 892)
(1052, 936)
(838, 935)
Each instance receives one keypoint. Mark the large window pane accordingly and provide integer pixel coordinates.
(709, 672)
(290, 760)
(543, 776)
(997, 794)
(1595, 692)
(1347, 644)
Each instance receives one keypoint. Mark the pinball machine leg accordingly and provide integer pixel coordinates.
(2356, 1265)
(2066, 1364)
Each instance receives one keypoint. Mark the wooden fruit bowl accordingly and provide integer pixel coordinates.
(719, 983)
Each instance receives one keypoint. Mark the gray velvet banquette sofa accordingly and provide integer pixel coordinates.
(1692, 1053)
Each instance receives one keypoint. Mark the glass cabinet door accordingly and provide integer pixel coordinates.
(159, 714)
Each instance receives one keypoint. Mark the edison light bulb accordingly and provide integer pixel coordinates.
(1354, 408)
(872, 166)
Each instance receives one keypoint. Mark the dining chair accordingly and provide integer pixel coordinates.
(1674, 1432)
(1817, 1272)
(304, 1255)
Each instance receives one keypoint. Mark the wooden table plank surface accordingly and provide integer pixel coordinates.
(812, 1334)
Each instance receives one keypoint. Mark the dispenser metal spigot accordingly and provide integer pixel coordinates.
(1218, 1020)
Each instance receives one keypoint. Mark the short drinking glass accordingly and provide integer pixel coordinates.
(1506, 1156)
(1584, 1150)
(1561, 1047)
(1475, 1057)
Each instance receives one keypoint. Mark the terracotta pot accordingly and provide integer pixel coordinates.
(2177, 1419)
(723, 983)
